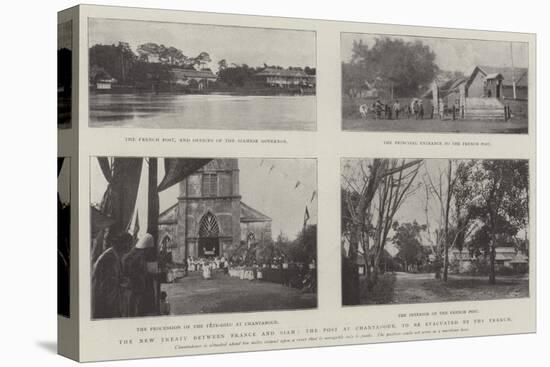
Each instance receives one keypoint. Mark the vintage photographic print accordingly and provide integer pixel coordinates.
(433, 85)
(63, 235)
(174, 236)
(173, 75)
(64, 73)
(434, 230)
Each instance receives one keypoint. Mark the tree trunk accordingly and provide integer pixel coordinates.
(447, 209)
(492, 275)
(350, 278)
(375, 270)
(152, 228)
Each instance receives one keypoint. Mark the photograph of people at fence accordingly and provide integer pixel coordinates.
(427, 84)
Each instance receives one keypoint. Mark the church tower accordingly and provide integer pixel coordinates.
(208, 212)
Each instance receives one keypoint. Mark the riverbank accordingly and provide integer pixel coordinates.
(177, 90)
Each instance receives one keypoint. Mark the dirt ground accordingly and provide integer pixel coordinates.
(222, 293)
(514, 126)
(424, 288)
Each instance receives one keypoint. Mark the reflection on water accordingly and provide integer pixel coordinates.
(203, 111)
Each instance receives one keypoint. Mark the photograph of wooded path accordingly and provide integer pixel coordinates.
(434, 230)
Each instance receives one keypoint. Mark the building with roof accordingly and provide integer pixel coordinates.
(483, 94)
(199, 79)
(209, 218)
(284, 78)
(505, 257)
(498, 82)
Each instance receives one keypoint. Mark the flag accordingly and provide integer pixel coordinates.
(297, 184)
(306, 217)
(271, 168)
(177, 169)
(313, 196)
(135, 231)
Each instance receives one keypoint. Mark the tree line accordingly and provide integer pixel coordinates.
(473, 205)
(152, 62)
(303, 249)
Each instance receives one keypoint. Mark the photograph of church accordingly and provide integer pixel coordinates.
(202, 235)
(209, 218)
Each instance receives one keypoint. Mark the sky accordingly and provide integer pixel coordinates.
(253, 46)
(414, 207)
(455, 54)
(272, 191)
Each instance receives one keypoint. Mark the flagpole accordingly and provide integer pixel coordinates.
(513, 70)
(152, 226)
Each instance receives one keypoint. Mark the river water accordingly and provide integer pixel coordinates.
(203, 111)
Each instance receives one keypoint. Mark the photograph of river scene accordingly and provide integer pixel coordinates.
(174, 75)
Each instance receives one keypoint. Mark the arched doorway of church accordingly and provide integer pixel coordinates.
(209, 232)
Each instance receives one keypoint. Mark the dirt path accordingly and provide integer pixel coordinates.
(448, 126)
(424, 288)
(223, 293)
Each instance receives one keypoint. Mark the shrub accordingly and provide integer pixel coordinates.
(381, 292)
(480, 266)
(505, 270)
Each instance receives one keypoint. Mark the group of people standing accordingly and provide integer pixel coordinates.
(122, 285)
(392, 111)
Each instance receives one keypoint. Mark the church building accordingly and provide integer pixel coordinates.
(209, 219)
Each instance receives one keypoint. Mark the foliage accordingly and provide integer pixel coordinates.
(303, 249)
(116, 61)
(380, 293)
(151, 64)
(236, 75)
(373, 191)
(390, 63)
(500, 200)
(407, 239)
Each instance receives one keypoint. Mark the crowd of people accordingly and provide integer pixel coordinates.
(288, 273)
(124, 285)
(393, 110)
(278, 270)
(415, 109)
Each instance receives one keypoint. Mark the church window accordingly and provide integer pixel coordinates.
(209, 184)
(209, 226)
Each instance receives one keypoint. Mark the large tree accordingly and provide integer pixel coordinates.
(116, 61)
(399, 67)
(407, 239)
(373, 191)
(236, 75)
(500, 200)
(149, 50)
(202, 60)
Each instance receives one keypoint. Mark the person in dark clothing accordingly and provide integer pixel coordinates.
(421, 111)
(108, 281)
